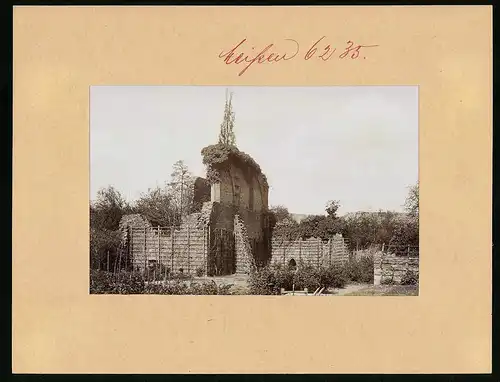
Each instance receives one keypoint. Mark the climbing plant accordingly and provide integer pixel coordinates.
(217, 157)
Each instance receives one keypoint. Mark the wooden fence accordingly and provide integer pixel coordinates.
(169, 249)
(312, 251)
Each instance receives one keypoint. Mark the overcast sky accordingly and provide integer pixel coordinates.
(358, 145)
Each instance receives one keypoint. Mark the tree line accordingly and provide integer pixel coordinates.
(361, 229)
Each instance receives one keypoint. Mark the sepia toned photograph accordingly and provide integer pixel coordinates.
(290, 191)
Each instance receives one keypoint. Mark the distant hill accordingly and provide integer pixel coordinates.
(299, 217)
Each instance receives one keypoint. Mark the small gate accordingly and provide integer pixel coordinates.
(222, 255)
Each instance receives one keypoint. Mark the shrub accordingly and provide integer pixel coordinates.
(360, 270)
(387, 281)
(307, 277)
(269, 280)
(284, 277)
(135, 283)
(200, 272)
(102, 282)
(206, 288)
(409, 278)
(334, 276)
(263, 281)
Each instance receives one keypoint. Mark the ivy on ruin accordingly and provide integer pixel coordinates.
(219, 156)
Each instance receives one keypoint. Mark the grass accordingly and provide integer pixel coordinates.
(386, 290)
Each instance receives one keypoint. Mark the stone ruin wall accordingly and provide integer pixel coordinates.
(243, 194)
(388, 266)
(244, 256)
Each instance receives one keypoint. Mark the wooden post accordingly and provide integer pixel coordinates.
(208, 250)
(383, 247)
(204, 247)
(172, 235)
(130, 250)
(165, 270)
(218, 253)
(330, 251)
(300, 248)
(284, 254)
(319, 241)
(159, 251)
(145, 255)
(107, 260)
(188, 250)
(408, 250)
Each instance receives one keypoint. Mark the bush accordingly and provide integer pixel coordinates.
(284, 278)
(102, 282)
(208, 288)
(334, 276)
(409, 278)
(135, 283)
(360, 270)
(387, 281)
(269, 280)
(200, 272)
(263, 281)
(307, 277)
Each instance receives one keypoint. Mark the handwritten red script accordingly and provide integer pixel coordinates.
(243, 53)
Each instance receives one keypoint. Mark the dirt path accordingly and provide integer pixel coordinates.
(350, 289)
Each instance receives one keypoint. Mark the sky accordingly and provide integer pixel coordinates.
(358, 144)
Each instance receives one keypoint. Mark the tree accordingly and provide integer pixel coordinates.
(366, 228)
(105, 215)
(157, 206)
(280, 212)
(332, 207)
(181, 189)
(226, 135)
(412, 200)
(286, 229)
(108, 209)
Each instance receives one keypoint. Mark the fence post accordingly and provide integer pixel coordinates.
(145, 256)
(208, 250)
(284, 254)
(165, 266)
(159, 251)
(319, 241)
(188, 251)
(127, 254)
(408, 250)
(330, 251)
(204, 245)
(107, 260)
(172, 236)
(383, 247)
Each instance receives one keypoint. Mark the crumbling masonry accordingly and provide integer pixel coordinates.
(229, 231)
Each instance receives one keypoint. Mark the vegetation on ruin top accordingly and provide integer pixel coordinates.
(218, 155)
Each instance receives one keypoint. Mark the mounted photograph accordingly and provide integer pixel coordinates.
(245, 190)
